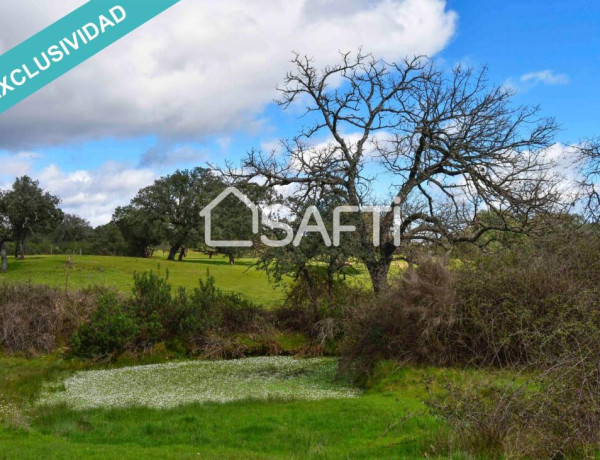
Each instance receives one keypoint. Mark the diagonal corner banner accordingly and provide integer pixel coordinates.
(68, 42)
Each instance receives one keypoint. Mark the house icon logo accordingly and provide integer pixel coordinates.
(207, 214)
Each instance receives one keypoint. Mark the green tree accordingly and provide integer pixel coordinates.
(302, 260)
(71, 232)
(28, 209)
(315, 267)
(108, 240)
(173, 204)
(232, 220)
(140, 232)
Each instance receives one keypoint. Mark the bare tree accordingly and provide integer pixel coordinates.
(448, 145)
(588, 160)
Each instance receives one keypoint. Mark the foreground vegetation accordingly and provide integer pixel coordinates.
(389, 420)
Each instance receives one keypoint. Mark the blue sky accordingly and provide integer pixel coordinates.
(202, 91)
(518, 37)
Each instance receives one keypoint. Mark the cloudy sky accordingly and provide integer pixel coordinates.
(196, 84)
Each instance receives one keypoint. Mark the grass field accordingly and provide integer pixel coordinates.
(117, 272)
(388, 421)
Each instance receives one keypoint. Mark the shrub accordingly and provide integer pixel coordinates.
(38, 319)
(534, 308)
(153, 308)
(153, 315)
(240, 314)
(110, 329)
(207, 309)
(527, 306)
(524, 307)
(410, 323)
(198, 311)
(314, 305)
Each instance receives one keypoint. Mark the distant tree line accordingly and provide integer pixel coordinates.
(162, 217)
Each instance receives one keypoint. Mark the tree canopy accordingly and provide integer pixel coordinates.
(27, 209)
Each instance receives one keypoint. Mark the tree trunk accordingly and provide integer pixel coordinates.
(21, 249)
(378, 271)
(3, 257)
(330, 280)
(312, 293)
(182, 253)
(173, 251)
(231, 259)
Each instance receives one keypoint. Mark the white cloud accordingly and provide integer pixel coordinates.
(204, 67)
(95, 194)
(530, 80)
(14, 166)
(162, 155)
(546, 77)
(13, 169)
(567, 167)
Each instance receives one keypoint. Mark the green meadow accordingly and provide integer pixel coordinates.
(82, 271)
(76, 272)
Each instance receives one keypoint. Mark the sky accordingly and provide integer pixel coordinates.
(197, 83)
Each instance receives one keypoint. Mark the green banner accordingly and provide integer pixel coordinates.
(67, 43)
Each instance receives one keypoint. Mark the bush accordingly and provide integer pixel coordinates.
(198, 311)
(527, 306)
(314, 304)
(153, 308)
(207, 309)
(409, 323)
(533, 308)
(240, 314)
(110, 329)
(140, 322)
(153, 315)
(38, 319)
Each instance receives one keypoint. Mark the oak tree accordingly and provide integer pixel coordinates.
(445, 145)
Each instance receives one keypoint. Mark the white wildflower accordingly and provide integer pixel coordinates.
(169, 385)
